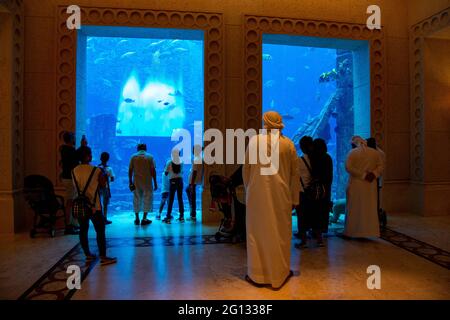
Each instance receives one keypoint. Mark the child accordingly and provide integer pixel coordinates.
(195, 178)
(164, 193)
(105, 192)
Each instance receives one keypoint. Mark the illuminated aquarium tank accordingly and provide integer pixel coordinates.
(321, 89)
(134, 90)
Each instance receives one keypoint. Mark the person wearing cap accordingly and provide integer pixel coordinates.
(272, 183)
(364, 166)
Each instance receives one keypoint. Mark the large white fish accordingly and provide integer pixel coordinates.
(122, 42)
(180, 50)
(154, 44)
(99, 60)
(128, 54)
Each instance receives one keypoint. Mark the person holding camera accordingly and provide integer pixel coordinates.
(141, 173)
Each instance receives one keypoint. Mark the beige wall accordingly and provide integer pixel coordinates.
(437, 126)
(422, 9)
(39, 105)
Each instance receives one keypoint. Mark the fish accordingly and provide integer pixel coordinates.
(290, 79)
(266, 57)
(128, 100)
(272, 103)
(180, 50)
(119, 131)
(159, 101)
(166, 103)
(153, 44)
(122, 42)
(107, 83)
(287, 116)
(307, 67)
(128, 54)
(269, 83)
(99, 60)
(190, 110)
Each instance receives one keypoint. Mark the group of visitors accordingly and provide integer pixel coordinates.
(88, 185)
(142, 182)
(303, 183)
(300, 183)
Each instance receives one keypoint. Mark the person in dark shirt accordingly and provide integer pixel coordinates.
(322, 169)
(83, 147)
(69, 160)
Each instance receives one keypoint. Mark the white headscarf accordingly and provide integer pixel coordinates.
(359, 141)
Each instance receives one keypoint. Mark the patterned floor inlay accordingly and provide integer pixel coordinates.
(419, 248)
(52, 285)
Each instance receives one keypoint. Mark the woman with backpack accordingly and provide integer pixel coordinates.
(174, 169)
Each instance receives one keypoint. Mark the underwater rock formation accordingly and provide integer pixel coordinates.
(317, 127)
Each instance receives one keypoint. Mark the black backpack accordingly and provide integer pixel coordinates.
(316, 189)
(82, 206)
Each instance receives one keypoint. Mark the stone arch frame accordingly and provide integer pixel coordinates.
(16, 9)
(255, 26)
(417, 35)
(12, 167)
(214, 73)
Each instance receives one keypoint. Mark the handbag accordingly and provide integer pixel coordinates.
(316, 190)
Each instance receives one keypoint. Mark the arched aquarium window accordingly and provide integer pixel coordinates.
(137, 85)
(321, 87)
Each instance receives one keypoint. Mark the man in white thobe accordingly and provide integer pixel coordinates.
(364, 165)
(270, 197)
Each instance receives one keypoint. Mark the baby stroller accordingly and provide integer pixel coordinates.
(382, 215)
(223, 194)
(47, 206)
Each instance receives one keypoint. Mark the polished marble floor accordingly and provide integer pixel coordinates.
(182, 261)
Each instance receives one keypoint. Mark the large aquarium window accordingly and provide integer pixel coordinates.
(321, 87)
(138, 85)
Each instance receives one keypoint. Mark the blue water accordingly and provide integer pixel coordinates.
(291, 86)
(138, 91)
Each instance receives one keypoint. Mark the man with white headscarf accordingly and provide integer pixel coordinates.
(270, 197)
(364, 166)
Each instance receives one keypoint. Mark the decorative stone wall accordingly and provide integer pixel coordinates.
(418, 32)
(12, 144)
(255, 26)
(429, 123)
(210, 23)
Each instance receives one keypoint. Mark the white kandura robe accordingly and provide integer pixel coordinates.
(269, 200)
(362, 213)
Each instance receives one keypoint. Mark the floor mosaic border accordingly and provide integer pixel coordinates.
(52, 285)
